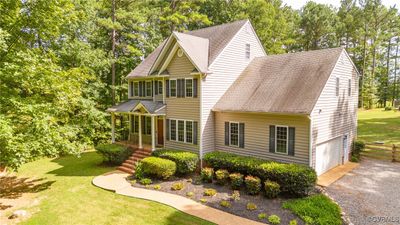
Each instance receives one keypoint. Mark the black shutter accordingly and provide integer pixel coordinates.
(140, 88)
(195, 132)
(241, 135)
(291, 141)
(167, 129)
(144, 88)
(179, 89)
(152, 90)
(195, 87)
(183, 85)
(131, 88)
(226, 133)
(167, 88)
(156, 87)
(272, 138)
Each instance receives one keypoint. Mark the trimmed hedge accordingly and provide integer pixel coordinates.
(186, 162)
(113, 154)
(293, 179)
(158, 167)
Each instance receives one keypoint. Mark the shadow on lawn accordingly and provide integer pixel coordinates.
(12, 187)
(87, 164)
(381, 129)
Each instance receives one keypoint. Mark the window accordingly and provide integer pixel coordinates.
(160, 87)
(147, 125)
(148, 88)
(135, 124)
(172, 88)
(189, 131)
(281, 137)
(234, 134)
(247, 51)
(189, 87)
(337, 86)
(172, 132)
(136, 88)
(181, 130)
(349, 87)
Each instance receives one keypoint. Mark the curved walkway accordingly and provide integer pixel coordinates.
(116, 181)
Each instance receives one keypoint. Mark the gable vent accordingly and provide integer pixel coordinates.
(180, 53)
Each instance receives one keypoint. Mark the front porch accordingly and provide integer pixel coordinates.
(140, 124)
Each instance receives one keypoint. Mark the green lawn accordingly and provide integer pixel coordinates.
(379, 125)
(70, 198)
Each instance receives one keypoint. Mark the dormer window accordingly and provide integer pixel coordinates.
(247, 51)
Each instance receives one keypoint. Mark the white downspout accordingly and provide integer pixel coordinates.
(200, 96)
(310, 141)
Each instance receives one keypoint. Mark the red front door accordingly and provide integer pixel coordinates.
(160, 131)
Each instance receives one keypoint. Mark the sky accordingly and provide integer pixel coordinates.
(297, 4)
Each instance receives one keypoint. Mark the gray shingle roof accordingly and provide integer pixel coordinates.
(218, 36)
(287, 83)
(128, 106)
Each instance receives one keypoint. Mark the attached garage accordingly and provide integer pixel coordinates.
(328, 155)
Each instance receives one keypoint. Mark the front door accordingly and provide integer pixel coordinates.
(160, 132)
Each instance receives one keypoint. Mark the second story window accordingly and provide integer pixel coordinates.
(160, 87)
(148, 88)
(136, 89)
(337, 86)
(247, 51)
(172, 88)
(189, 88)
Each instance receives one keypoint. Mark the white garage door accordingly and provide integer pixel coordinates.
(328, 155)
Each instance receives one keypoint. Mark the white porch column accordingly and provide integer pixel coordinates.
(112, 128)
(140, 131)
(153, 133)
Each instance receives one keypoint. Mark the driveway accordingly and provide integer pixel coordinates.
(370, 194)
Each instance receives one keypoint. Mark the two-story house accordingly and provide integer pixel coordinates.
(216, 89)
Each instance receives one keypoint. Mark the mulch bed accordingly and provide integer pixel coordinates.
(193, 184)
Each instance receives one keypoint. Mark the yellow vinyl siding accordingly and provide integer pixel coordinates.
(182, 108)
(256, 135)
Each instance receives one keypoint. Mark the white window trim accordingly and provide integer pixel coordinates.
(287, 139)
(134, 89)
(170, 88)
(151, 88)
(230, 144)
(184, 131)
(192, 88)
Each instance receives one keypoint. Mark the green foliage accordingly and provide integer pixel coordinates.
(388, 108)
(158, 167)
(207, 174)
(145, 181)
(274, 219)
(189, 194)
(177, 186)
(157, 187)
(316, 209)
(225, 204)
(358, 147)
(293, 179)
(113, 154)
(235, 195)
(139, 174)
(236, 180)
(253, 184)
(262, 216)
(221, 176)
(210, 192)
(186, 162)
(203, 200)
(293, 222)
(272, 189)
(251, 206)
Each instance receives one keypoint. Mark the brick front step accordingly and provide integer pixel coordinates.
(126, 170)
(129, 165)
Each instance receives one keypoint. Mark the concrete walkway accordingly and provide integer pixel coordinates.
(335, 174)
(116, 181)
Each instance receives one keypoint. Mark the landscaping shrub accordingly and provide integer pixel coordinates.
(225, 204)
(315, 209)
(251, 206)
(272, 189)
(235, 196)
(293, 179)
(113, 154)
(189, 194)
(232, 162)
(186, 162)
(293, 222)
(158, 167)
(236, 180)
(139, 170)
(358, 147)
(253, 185)
(388, 108)
(221, 176)
(262, 216)
(177, 186)
(207, 174)
(210, 192)
(145, 181)
(157, 187)
(274, 219)
(203, 200)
